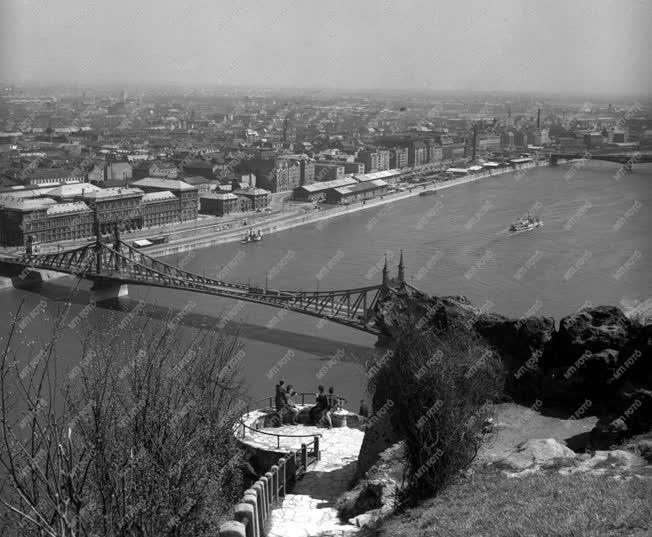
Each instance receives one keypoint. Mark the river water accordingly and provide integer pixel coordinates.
(594, 246)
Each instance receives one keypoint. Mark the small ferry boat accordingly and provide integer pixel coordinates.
(252, 237)
(429, 192)
(525, 224)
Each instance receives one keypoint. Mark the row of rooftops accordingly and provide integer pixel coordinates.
(52, 206)
(352, 180)
(372, 176)
(168, 184)
(361, 187)
(59, 190)
(245, 192)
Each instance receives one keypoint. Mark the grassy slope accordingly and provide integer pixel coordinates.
(489, 504)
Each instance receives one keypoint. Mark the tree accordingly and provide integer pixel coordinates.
(441, 386)
(135, 440)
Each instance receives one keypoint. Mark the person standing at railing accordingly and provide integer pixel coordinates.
(279, 399)
(332, 404)
(289, 406)
(364, 410)
(317, 410)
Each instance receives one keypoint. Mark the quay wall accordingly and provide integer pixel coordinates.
(325, 214)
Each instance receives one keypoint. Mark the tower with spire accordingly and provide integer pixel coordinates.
(385, 273)
(401, 269)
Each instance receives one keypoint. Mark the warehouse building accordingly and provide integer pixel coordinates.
(357, 192)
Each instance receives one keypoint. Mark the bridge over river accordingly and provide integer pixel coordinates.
(111, 267)
(627, 159)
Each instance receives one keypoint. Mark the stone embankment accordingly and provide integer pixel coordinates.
(281, 223)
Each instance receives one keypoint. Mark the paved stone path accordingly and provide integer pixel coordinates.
(309, 511)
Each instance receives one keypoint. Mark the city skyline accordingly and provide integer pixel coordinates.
(586, 48)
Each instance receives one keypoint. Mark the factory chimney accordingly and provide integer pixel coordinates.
(538, 118)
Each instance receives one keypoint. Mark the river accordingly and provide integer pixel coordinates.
(593, 247)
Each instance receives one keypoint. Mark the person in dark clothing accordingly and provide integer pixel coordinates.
(333, 402)
(289, 408)
(279, 398)
(249, 475)
(331, 405)
(364, 410)
(317, 410)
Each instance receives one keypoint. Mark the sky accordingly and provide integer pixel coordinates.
(559, 46)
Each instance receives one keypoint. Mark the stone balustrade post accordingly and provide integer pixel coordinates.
(260, 495)
(281, 475)
(263, 482)
(293, 476)
(251, 497)
(274, 470)
(244, 513)
(270, 488)
(232, 529)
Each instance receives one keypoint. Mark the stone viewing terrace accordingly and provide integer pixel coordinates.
(309, 468)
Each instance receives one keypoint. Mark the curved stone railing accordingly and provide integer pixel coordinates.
(252, 513)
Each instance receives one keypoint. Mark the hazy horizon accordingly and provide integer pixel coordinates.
(599, 47)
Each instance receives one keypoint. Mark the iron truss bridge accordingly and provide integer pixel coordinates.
(626, 159)
(120, 263)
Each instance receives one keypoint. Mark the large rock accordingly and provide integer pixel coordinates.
(535, 453)
(597, 354)
(608, 433)
(423, 311)
(372, 499)
(379, 436)
(591, 329)
(641, 445)
(521, 344)
(615, 462)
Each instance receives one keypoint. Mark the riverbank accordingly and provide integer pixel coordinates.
(321, 214)
(212, 233)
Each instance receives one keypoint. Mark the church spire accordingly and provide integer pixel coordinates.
(385, 272)
(401, 269)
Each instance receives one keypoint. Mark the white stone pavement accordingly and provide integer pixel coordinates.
(309, 510)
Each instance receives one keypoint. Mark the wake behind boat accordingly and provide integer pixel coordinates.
(525, 224)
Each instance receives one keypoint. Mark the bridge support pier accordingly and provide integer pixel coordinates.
(108, 290)
(24, 277)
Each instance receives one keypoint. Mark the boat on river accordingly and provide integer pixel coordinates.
(428, 192)
(525, 224)
(252, 237)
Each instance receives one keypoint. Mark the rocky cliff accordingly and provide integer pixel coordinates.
(596, 361)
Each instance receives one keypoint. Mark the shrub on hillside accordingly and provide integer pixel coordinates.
(440, 388)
